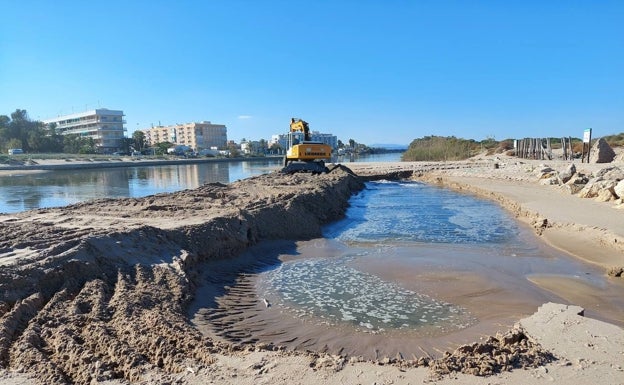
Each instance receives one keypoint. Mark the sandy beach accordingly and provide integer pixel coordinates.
(115, 291)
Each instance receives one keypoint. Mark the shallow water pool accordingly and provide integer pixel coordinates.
(417, 257)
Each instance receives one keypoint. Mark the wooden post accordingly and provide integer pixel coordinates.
(586, 139)
(548, 149)
(589, 145)
(534, 148)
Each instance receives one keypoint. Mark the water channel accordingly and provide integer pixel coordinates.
(21, 191)
(414, 256)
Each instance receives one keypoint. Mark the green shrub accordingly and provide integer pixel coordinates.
(439, 148)
(615, 140)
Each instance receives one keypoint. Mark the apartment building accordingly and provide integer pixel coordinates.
(198, 135)
(104, 126)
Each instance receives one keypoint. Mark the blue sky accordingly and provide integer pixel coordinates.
(373, 71)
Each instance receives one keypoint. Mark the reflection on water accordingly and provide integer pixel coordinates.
(63, 187)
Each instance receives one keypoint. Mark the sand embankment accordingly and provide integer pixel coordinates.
(97, 292)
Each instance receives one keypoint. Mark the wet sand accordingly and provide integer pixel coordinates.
(495, 287)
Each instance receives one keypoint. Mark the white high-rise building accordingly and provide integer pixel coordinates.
(104, 126)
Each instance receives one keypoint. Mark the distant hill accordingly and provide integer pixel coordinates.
(389, 146)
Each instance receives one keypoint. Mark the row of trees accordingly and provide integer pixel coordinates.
(18, 131)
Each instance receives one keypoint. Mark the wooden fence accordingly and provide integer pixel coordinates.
(540, 148)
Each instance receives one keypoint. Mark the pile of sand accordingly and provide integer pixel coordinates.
(97, 290)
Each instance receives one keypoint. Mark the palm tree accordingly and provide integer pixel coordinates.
(139, 140)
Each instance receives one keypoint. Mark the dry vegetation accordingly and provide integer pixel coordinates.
(450, 148)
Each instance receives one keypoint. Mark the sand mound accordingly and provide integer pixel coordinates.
(97, 290)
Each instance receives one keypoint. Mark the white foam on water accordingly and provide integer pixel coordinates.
(329, 289)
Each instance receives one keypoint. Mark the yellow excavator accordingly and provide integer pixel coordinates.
(303, 154)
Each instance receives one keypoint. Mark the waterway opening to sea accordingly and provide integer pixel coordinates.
(411, 268)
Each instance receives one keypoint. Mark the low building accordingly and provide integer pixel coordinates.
(253, 147)
(329, 139)
(197, 135)
(104, 126)
(315, 136)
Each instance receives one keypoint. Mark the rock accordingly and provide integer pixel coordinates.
(572, 188)
(601, 152)
(579, 179)
(543, 169)
(576, 183)
(595, 188)
(547, 176)
(568, 173)
(615, 271)
(611, 173)
(540, 224)
(605, 196)
(619, 189)
(552, 180)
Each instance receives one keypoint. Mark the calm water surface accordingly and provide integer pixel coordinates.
(63, 187)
